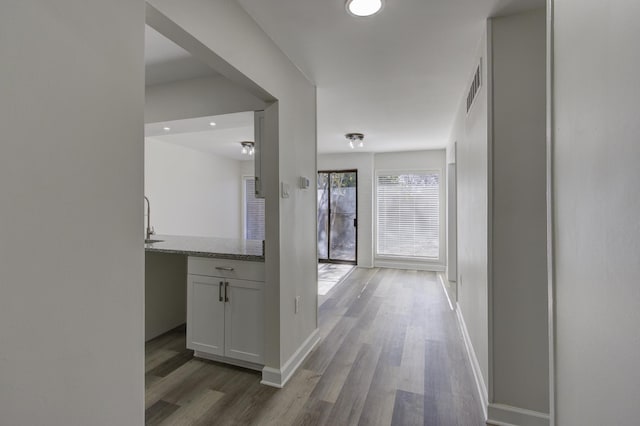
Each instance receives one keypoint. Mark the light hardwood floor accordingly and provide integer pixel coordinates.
(391, 354)
(329, 275)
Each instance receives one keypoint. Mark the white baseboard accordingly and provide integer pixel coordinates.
(481, 387)
(272, 377)
(413, 265)
(162, 329)
(496, 414)
(444, 288)
(505, 415)
(223, 359)
(277, 378)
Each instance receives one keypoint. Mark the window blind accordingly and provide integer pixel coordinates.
(254, 212)
(408, 214)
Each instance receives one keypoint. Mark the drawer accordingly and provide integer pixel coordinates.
(238, 269)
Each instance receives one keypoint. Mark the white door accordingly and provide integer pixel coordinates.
(205, 314)
(244, 321)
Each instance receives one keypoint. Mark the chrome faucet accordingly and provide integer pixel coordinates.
(150, 230)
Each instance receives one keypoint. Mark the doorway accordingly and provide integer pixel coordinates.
(337, 216)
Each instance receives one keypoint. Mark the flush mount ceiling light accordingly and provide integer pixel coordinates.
(355, 139)
(248, 147)
(364, 7)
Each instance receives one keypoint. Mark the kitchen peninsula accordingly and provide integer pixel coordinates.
(219, 248)
(216, 286)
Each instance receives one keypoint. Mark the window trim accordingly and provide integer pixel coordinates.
(384, 260)
(243, 206)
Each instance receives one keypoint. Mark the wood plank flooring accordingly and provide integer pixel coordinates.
(391, 354)
(330, 274)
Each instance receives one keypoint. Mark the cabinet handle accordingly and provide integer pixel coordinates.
(226, 291)
(220, 292)
(223, 268)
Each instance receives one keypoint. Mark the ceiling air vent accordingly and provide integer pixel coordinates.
(474, 89)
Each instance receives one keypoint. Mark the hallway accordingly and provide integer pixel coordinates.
(330, 275)
(391, 353)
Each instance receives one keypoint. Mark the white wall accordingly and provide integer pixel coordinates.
(224, 28)
(192, 192)
(247, 167)
(596, 210)
(71, 175)
(470, 133)
(363, 162)
(165, 295)
(518, 257)
(198, 97)
(501, 156)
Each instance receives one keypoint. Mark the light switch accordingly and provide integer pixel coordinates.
(284, 190)
(304, 182)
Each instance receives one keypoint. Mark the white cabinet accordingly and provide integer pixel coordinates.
(205, 314)
(225, 310)
(244, 321)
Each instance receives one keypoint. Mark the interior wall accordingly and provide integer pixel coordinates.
(290, 152)
(596, 210)
(192, 192)
(198, 97)
(435, 160)
(71, 176)
(165, 295)
(363, 162)
(518, 220)
(470, 135)
(367, 164)
(247, 168)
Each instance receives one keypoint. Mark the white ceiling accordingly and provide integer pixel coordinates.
(398, 76)
(165, 61)
(223, 139)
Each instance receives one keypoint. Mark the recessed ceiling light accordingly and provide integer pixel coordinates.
(364, 7)
(212, 124)
(166, 129)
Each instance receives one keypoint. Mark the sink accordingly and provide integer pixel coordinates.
(149, 241)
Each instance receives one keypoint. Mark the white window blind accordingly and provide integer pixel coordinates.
(253, 211)
(408, 214)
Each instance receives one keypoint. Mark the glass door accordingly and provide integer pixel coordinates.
(337, 207)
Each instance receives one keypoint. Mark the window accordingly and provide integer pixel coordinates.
(253, 211)
(408, 214)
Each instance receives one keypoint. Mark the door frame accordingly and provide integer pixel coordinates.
(328, 259)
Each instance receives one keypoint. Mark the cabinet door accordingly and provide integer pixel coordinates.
(244, 321)
(205, 314)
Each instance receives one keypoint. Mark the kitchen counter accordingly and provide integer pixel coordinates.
(220, 248)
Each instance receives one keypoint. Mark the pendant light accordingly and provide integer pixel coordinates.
(355, 139)
(248, 147)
